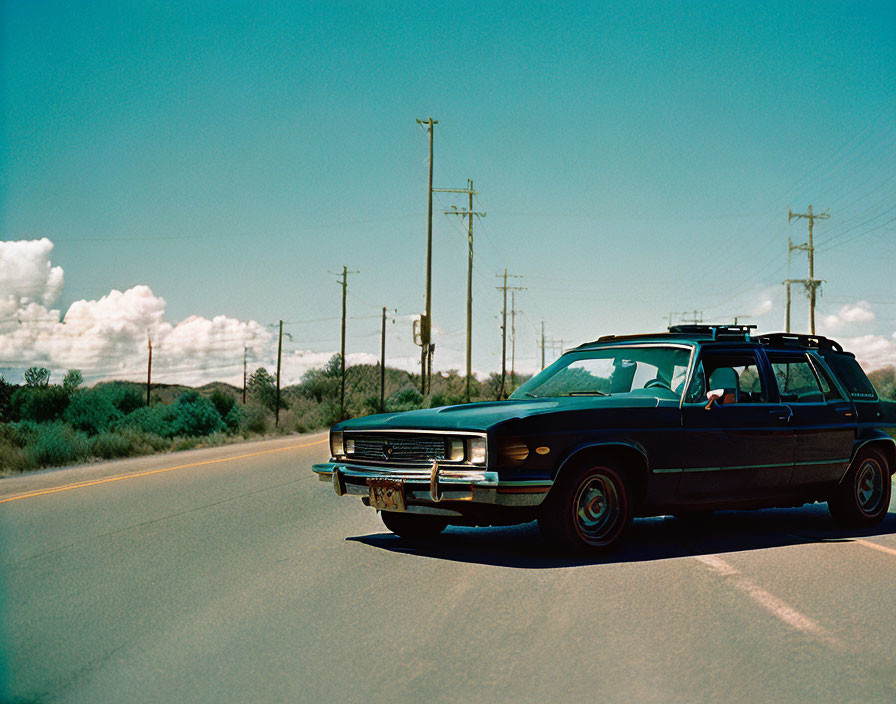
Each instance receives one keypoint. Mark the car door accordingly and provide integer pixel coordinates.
(823, 421)
(740, 449)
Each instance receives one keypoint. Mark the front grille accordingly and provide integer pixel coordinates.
(398, 448)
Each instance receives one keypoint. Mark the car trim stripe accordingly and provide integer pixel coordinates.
(780, 465)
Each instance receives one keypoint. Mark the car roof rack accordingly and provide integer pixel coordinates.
(792, 339)
(716, 332)
(684, 332)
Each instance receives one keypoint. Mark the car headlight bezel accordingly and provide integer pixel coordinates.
(477, 451)
(337, 446)
(456, 450)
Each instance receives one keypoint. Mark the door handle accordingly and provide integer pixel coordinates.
(784, 414)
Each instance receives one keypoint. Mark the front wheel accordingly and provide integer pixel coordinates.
(413, 526)
(863, 497)
(591, 510)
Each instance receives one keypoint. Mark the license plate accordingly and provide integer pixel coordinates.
(387, 494)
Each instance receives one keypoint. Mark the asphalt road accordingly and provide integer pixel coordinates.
(233, 575)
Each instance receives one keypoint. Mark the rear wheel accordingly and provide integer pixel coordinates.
(590, 511)
(413, 526)
(863, 497)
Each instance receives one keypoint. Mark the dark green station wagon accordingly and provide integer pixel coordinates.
(683, 422)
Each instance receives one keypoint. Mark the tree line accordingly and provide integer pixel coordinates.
(44, 424)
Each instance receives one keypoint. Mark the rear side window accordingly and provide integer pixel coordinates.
(796, 381)
(851, 376)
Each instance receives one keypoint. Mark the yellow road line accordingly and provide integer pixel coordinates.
(875, 546)
(121, 477)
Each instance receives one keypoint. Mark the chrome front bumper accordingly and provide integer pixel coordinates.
(425, 488)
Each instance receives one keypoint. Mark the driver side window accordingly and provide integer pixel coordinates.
(735, 374)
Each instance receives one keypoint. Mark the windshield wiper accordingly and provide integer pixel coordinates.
(530, 394)
(587, 393)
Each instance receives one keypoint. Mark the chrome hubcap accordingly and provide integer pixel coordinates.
(597, 508)
(870, 486)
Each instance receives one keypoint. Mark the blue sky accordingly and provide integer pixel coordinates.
(634, 159)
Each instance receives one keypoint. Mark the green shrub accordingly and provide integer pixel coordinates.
(153, 420)
(405, 399)
(57, 444)
(195, 415)
(143, 443)
(92, 410)
(111, 445)
(128, 399)
(254, 420)
(320, 384)
(13, 458)
(181, 444)
(262, 388)
(6, 392)
(223, 402)
(73, 379)
(40, 404)
(234, 418)
(23, 433)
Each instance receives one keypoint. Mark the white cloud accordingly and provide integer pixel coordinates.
(26, 276)
(107, 338)
(850, 314)
(872, 351)
(765, 306)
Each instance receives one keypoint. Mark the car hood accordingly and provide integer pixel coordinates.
(482, 416)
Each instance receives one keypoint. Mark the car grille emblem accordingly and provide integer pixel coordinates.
(387, 451)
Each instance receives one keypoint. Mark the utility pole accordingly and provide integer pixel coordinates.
(554, 345)
(383, 365)
(279, 355)
(426, 321)
(694, 317)
(504, 287)
(542, 344)
(513, 312)
(245, 371)
(148, 366)
(811, 284)
(344, 282)
(469, 213)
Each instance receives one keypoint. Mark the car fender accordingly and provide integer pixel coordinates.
(879, 440)
(624, 450)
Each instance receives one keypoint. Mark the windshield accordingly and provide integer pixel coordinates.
(642, 371)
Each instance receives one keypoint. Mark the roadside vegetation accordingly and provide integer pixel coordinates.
(48, 425)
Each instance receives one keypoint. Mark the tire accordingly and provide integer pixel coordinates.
(863, 496)
(590, 511)
(413, 526)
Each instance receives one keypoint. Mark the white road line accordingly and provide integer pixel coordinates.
(875, 546)
(775, 606)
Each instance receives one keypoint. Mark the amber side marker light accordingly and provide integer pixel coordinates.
(543, 450)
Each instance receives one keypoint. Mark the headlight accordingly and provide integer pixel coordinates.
(336, 447)
(456, 451)
(477, 450)
(349, 446)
